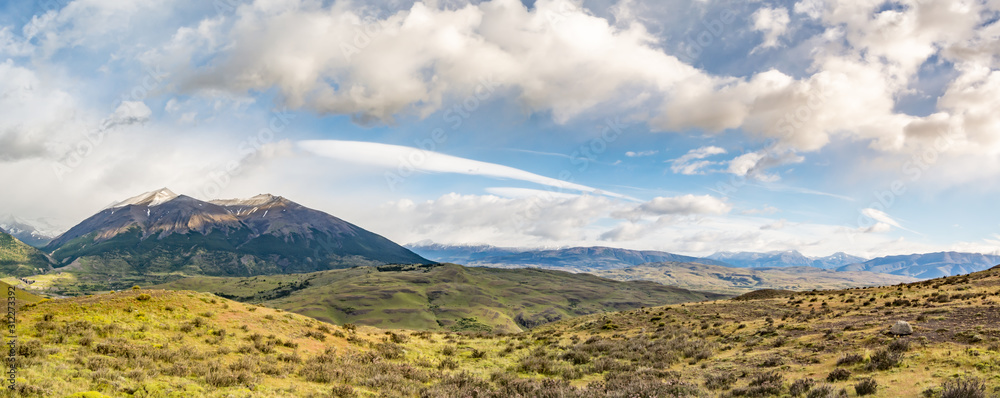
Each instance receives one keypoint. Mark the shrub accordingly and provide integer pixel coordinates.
(899, 345)
(964, 388)
(850, 359)
(884, 360)
(801, 386)
(866, 387)
(143, 297)
(720, 381)
(343, 391)
(826, 392)
(838, 375)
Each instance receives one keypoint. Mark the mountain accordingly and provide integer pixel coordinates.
(34, 233)
(791, 258)
(442, 296)
(163, 232)
(729, 280)
(460, 254)
(19, 259)
(929, 265)
(577, 259)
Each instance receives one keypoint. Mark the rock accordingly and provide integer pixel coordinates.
(902, 328)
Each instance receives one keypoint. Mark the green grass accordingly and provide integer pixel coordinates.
(155, 343)
(441, 297)
(19, 259)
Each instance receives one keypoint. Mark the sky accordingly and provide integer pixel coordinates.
(863, 126)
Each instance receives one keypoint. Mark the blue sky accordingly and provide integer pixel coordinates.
(868, 127)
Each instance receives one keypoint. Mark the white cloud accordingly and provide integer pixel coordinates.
(780, 224)
(688, 165)
(403, 161)
(640, 154)
(684, 205)
(754, 164)
(773, 22)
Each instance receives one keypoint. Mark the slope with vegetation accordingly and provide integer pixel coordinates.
(727, 280)
(19, 259)
(442, 297)
(813, 344)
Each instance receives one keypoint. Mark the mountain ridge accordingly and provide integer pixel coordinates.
(160, 231)
(575, 259)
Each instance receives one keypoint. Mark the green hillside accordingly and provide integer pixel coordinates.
(442, 297)
(155, 343)
(729, 280)
(19, 259)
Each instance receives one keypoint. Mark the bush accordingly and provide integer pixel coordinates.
(866, 387)
(838, 375)
(720, 381)
(964, 388)
(899, 345)
(850, 359)
(826, 392)
(143, 297)
(801, 386)
(884, 360)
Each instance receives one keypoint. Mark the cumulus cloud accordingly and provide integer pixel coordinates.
(33, 114)
(416, 60)
(684, 205)
(488, 218)
(773, 22)
(691, 162)
(754, 164)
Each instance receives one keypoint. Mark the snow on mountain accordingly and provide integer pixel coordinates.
(36, 233)
(149, 199)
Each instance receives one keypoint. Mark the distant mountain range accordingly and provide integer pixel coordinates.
(34, 233)
(927, 266)
(735, 281)
(577, 259)
(162, 232)
(789, 258)
(597, 259)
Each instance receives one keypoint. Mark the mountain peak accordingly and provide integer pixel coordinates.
(259, 200)
(150, 199)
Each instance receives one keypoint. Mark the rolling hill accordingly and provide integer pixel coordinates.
(441, 297)
(19, 259)
(727, 280)
(817, 344)
(577, 259)
(929, 265)
(161, 232)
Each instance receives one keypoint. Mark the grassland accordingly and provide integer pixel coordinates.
(154, 343)
(441, 297)
(736, 281)
(19, 259)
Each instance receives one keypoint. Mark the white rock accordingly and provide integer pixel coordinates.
(902, 328)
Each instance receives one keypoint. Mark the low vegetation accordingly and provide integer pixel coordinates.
(153, 343)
